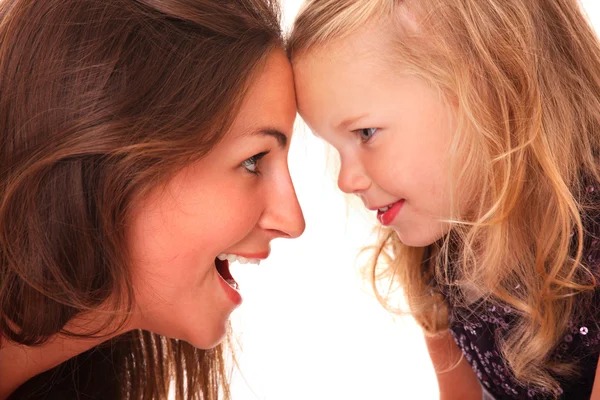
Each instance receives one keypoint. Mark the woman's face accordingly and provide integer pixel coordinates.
(234, 201)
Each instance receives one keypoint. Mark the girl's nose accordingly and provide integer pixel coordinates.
(352, 179)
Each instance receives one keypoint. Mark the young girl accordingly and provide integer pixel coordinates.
(143, 147)
(472, 129)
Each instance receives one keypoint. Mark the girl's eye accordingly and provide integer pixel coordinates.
(251, 164)
(366, 133)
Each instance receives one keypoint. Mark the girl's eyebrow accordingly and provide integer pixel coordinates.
(350, 121)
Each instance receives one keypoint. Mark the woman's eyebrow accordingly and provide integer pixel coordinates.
(281, 137)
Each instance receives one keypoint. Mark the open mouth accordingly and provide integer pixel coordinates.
(223, 270)
(386, 214)
(223, 261)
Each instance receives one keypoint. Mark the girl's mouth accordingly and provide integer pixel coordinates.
(386, 214)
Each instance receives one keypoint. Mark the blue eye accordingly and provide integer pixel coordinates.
(251, 164)
(366, 133)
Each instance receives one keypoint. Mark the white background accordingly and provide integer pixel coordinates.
(309, 327)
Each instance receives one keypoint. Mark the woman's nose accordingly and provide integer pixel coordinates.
(283, 215)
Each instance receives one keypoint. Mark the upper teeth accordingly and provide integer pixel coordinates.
(242, 260)
(384, 209)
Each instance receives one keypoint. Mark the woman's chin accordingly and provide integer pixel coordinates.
(204, 344)
(206, 339)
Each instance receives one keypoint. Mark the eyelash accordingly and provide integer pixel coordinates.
(254, 161)
(360, 131)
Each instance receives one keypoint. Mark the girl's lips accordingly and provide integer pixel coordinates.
(387, 217)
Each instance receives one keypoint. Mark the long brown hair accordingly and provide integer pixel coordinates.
(524, 77)
(101, 101)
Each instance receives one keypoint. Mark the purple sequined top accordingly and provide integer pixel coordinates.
(476, 334)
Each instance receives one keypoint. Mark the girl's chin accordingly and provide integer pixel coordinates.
(414, 238)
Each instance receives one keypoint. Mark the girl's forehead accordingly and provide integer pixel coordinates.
(368, 41)
(357, 56)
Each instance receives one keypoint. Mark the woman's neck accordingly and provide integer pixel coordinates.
(19, 363)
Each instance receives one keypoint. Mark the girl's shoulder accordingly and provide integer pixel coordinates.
(590, 218)
(477, 330)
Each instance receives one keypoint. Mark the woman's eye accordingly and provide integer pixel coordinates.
(366, 133)
(251, 164)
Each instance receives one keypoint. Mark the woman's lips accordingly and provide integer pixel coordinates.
(222, 263)
(229, 284)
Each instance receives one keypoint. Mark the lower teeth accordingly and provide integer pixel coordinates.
(232, 283)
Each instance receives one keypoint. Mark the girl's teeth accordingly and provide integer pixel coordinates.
(242, 260)
(384, 209)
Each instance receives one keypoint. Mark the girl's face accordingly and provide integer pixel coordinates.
(392, 132)
(234, 201)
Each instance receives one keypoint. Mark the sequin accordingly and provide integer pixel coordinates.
(568, 338)
(583, 330)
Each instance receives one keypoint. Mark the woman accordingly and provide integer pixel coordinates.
(142, 142)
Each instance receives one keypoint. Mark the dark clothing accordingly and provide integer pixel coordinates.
(476, 331)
